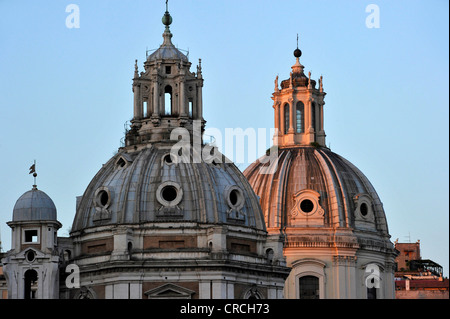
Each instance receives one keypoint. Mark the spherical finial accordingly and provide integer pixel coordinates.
(297, 53)
(167, 19)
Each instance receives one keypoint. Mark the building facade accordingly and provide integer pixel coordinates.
(417, 278)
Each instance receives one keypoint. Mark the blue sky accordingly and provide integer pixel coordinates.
(65, 94)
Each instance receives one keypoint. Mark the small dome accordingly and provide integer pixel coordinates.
(34, 205)
(167, 51)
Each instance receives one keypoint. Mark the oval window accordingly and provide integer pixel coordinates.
(234, 197)
(103, 198)
(364, 209)
(30, 255)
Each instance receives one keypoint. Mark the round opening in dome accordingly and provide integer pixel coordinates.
(234, 197)
(169, 193)
(103, 198)
(364, 209)
(307, 206)
(168, 159)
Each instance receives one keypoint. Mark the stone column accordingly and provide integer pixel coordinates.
(321, 115)
(156, 111)
(182, 99)
(276, 106)
(199, 114)
(137, 103)
(291, 116)
(309, 130)
(281, 117)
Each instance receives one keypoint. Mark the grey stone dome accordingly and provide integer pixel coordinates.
(149, 186)
(34, 205)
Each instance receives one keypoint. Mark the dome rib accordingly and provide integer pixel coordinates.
(340, 190)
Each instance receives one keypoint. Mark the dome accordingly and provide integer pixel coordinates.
(167, 51)
(150, 185)
(34, 205)
(314, 187)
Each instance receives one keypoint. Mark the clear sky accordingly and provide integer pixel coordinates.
(65, 94)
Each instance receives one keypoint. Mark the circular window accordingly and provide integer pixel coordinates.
(234, 197)
(307, 206)
(30, 255)
(170, 159)
(102, 198)
(364, 209)
(169, 194)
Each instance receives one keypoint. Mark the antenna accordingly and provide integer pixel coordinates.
(408, 237)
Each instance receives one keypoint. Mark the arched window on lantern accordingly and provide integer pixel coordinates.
(286, 118)
(168, 109)
(300, 117)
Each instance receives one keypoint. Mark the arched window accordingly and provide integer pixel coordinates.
(269, 255)
(309, 287)
(372, 293)
(145, 109)
(191, 108)
(286, 118)
(168, 100)
(30, 282)
(300, 117)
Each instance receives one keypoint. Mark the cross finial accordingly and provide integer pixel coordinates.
(297, 40)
